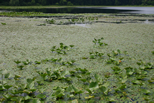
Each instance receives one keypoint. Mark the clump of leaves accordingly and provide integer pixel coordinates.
(62, 49)
(82, 20)
(152, 52)
(99, 42)
(113, 60)
(26, 92)
(129, 71)
(27, 62)
(22, 64)
(58, 74)
(42, 25)
(52, 21)
(145, 66)
(3, 23)
(115, 57)
(116, 69)
(94, 55)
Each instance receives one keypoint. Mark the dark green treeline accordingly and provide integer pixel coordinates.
(75, 2)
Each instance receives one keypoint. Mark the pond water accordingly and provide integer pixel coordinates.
(136, 10)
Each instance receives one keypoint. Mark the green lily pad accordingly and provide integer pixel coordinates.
(93, 85)
(89, 97)
(59, 92)
(145, 91)
(102, 88)
(136, 82)
(116, 69)
(41, 96)
(27, 98)
(76, 91)
(111, 99)
(36, 100)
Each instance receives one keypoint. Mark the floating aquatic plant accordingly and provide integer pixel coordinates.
(99, 42)
(52, 21)
(62, 48)
(3, 23)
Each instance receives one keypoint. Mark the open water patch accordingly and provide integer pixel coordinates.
(81, 25)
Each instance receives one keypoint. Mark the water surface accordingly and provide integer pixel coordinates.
(129, 10)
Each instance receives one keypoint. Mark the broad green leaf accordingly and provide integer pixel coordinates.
(65, 72)
(35, 100)
(151, 81)
(77, 91)
(124, 79)
(71, 46)
(59, 92)
(17, 77)
(29, 80)
(90, 90)
(106, 91)
(115, 53)
(106, 84)
(107, 74)
(102, 88)
(146, 91)
(84, 80)
(7, 75)
(7, 96)
(27, 98)
(97, 77)
(74, 101)
(129, 70)
(41, 90)
(144, 72)
(116, 69)
(123, 86)
(41, 96)
(136, 82)
(140, 77)
(71, 95)
(27, 91)
(89, 97)
(111, 99)
(79, 76)
(94, 85)
(118, 51)
(17, 99)
(147, 98)
(92, 56)
(142, 68)
(72, 72)
(4, 71)
(7, 86)
(130, 73)
(1, 87)
(83, 71)
(70, 89)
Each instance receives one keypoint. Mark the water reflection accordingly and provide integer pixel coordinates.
(148, 22)
(73, 10)
(136, 10)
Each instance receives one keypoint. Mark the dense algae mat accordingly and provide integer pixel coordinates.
(102, 62)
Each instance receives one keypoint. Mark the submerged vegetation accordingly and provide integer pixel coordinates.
(123, 83)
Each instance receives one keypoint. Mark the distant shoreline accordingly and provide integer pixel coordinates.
(55, 6)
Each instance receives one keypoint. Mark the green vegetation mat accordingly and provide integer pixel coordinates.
(84, 59)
